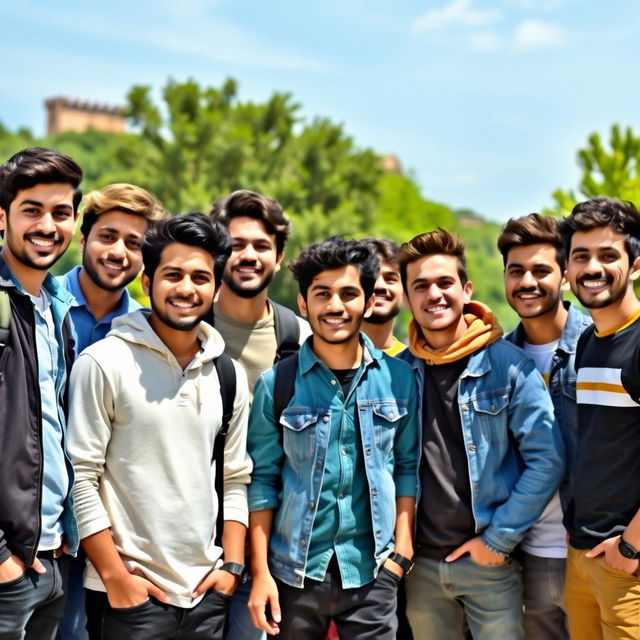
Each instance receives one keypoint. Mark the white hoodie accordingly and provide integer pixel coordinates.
(141, 433)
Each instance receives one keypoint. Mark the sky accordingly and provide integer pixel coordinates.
(485, 102)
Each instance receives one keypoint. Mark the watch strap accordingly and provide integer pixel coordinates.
(402, 561)
(236, 569)
(627, 550)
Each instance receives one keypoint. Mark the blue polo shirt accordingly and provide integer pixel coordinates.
(86, 328)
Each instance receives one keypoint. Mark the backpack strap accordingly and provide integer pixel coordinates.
(284, 384)
(287, 331)
(227, 378)
(5, 317)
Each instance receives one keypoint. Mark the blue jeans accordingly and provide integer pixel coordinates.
(239, 625)
(544, 613)
(31, 606)
(444, 597)
(74, 620)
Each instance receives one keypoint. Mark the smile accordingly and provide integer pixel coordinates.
(593, 284)
(41, 242)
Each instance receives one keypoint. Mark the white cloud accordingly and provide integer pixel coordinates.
(456, 13)
(537, 34)
(485, 41)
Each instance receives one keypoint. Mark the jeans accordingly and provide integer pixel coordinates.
(74, 620)
(239, 625)
(443, 597)
(31, 606)
(602, 603)
(362, 613)
(154, 620)
(543, 590)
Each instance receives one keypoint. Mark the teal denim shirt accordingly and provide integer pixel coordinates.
(515, 452)
(289, 458)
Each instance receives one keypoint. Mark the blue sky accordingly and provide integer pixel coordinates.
(486, 102)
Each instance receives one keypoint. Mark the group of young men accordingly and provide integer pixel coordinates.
(494, 478)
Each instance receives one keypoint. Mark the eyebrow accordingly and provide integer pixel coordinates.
(170, 267)
(520, 265)
(35, 203)
(324, 287)
(609, 248)
(114, 230)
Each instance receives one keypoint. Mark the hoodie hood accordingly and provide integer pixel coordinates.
(482, 329)
(135, 328)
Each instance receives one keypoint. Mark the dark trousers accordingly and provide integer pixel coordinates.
(31, 606)
(95, 603)
(364, 613)
(153, 620)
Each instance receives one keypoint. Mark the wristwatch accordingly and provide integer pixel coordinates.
(402, 561)
(236, 569)
(627, 550)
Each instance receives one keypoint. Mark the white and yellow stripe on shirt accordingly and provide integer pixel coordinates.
(602, 386)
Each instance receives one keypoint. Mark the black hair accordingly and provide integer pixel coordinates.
(194, 229)
(335, 253)
(37, 165)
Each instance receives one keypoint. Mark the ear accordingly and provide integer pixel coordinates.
(3, 219)
(302, 305)
(635, 269)
(368, 309)
(279, 259)
(82, 241)
(146, 284)
(565, 285)
(468, 291)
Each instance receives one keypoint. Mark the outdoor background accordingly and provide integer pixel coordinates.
(493, 108)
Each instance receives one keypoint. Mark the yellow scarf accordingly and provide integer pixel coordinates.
(482, 329)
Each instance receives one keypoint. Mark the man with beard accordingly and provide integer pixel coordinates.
(245, 317)
(39, 200)
(602, 589)
(145, 411)
(387, 297)
(534, 263)
(114, 221)
(333, 492)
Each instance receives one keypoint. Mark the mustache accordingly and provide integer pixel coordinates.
(247, 263)
(607, 277)
(528, 290)
(45, 236)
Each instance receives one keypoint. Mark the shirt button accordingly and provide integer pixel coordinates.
(311, 504)
(333, 382)
(303, 542)
(325, 419)
(343, 452)
(298, 579)
(472, 447)
(338, 539)
(465, 407)
(341, 495)
(493, 407)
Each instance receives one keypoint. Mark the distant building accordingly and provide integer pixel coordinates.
(64, 114)
(390, 162)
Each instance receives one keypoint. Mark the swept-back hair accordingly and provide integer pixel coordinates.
(194, 229)
(386, 250)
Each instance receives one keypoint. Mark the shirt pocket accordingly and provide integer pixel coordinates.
(386, 414)
(491, 410)
(299, 432)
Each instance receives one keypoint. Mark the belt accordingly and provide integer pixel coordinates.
(52, 554)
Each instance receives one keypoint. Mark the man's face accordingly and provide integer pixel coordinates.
(253, 261)
(335, 305)
(387, 294)
(38, 226)
(598, 267)
(435, 294)
(533, 280)
(112, 252)
(183, 286)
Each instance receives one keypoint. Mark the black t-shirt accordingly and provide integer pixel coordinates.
(345, 378)
(605, 478)
(445, 519)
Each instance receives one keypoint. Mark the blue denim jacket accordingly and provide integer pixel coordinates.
(514, 452)
(562, 381)
(289, 457)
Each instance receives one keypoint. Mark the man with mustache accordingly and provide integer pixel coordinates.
(387, 297)
(602, 588)
(534, 262)
(145, 411)
(333, 491)
(39, 198)
(114, 220)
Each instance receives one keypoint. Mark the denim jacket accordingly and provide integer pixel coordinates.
(514, 452)
(562, 381)
(289, 458)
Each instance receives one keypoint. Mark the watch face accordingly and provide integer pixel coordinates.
(627, 550)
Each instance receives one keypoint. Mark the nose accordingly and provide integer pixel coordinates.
(118, 249)
(527, 280)
(335, 303)
(380, 285)
(46, 223)
(433, 292)
(593, 266)
(185, 286)
(248, 252)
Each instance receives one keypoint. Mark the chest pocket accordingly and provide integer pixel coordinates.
(299, 432)
(491, 410)
(386, 415)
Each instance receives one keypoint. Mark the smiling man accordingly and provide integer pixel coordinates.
(39, 200)
(333, 491)
(145, 411)
(602, 240)
(490, 454)
(534, 262)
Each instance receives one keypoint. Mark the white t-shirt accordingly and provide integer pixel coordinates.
(547, 537)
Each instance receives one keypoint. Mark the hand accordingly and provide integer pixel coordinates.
(478, 551)
(12, 568)
(390, 565)
(130, 590)
(264, 591)
(220, 580)
(612, 557)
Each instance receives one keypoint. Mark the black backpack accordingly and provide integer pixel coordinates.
(5, 318)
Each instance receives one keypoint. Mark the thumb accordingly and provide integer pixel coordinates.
(38, 567)
(156, 592)
(596, 551)
(274, 601)
(456, 553)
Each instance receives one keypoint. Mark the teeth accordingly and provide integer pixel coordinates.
(182, 305)
(594, 284)
(39, 242)
(436, 309)
(335, 321)
(528, 296)
(116, 267)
